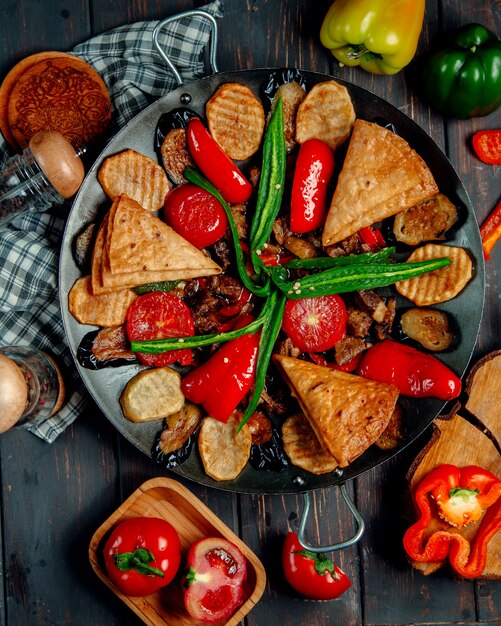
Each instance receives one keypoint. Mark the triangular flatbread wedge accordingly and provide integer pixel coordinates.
(347, 412)
(381, 176)
(176, 267)
(139, 241)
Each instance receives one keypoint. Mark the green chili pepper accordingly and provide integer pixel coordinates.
(323, 262)
(155, 346)
(166, 285)
(354, 278)
(271, 184)
(269, 334)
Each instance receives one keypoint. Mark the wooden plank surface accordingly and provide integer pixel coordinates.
(54, 497)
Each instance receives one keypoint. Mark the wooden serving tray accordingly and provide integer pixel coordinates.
(167, 499)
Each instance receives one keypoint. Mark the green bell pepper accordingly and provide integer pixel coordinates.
(380, 36)
(464, 79)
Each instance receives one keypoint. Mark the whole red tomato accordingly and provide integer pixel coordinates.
(142, 555)
(312, 575)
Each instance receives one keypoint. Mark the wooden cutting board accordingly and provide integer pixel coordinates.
(470, 435)
(53, 91)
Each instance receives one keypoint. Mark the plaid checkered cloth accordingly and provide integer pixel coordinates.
(135, 76)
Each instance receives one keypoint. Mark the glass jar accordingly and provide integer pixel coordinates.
(25, 188)
(49, 171)
(44, 382)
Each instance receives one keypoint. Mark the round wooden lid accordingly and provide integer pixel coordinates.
(61, 93)
(8, 85)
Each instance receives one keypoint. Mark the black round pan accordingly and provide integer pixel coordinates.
(106, 385)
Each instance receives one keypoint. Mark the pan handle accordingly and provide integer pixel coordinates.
(336, 546)
(180, 16)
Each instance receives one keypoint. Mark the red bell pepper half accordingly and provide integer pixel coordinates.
(458, 496)
(222, 381)
(415, 373)
(216, 164)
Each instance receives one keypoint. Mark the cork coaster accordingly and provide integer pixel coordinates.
(61, 93)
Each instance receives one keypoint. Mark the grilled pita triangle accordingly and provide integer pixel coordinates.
(347, 412)
(381, 176)
(141, 254)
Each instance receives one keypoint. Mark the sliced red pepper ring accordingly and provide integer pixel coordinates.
(461, 496)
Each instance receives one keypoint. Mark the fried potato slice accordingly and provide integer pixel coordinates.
(442, 284)
(303, 448)
(175, 155)
(326, 113)
(223, 450)
(236, 120)
(99, 310)
(292, 95)
(381, 176)
(152, 395)
(426, 221)
(347, 412)
(135, 175)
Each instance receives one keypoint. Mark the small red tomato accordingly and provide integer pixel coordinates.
(315, 324)
(214, 581)
(142, 555)
(195, 214)
(314, 168)
(160, 315)
(312, 575)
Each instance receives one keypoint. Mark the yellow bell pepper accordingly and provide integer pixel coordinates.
(380, 36)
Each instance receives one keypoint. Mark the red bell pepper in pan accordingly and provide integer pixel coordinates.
(372, 237)
(314, 168)
(216, 164)
(458, 496)
(222, 381)
(415, 373)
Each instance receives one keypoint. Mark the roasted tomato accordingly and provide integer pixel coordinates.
(159, 315)
(142, 555)
(195, 214)
(214, 581)
(312, 575)
(315, 324)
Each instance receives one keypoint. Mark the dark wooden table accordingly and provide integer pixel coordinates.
(55, 496)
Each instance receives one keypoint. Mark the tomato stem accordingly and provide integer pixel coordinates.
(138, 561)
